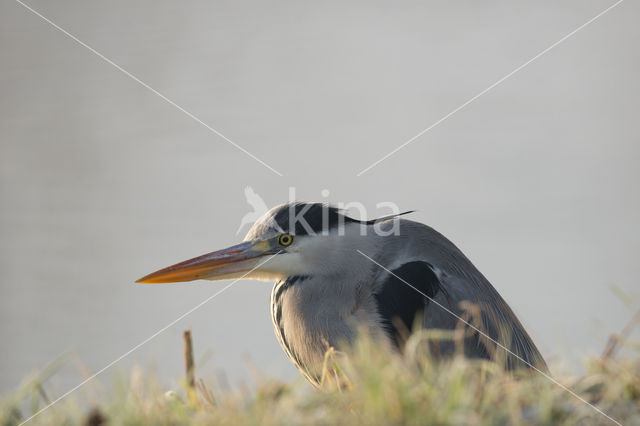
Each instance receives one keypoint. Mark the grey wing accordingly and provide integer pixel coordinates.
(455, 288)
(414, 295)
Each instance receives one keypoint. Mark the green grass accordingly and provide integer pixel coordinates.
(368, 386)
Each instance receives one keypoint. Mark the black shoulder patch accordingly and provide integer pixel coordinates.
(399, 302)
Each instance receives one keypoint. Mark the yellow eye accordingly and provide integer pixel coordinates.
(285, 239)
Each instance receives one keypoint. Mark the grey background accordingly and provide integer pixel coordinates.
(102, 181)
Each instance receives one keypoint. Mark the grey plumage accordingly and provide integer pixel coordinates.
(322, 307)
(337, 276)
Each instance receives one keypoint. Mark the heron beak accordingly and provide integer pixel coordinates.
(231, 262)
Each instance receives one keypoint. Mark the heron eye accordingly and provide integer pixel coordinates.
(285, 239)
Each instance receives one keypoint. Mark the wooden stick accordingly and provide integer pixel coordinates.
(188, 360)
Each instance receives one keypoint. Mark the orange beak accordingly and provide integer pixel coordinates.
(228, 263)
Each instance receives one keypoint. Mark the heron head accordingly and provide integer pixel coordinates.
(290, 239)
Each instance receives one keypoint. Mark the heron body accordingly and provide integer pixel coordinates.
(336, 277)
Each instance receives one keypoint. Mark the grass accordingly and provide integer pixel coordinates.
(368, 386)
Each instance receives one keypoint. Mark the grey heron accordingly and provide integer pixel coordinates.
(335, 276)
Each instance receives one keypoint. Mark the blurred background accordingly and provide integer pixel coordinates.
(102, 181)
